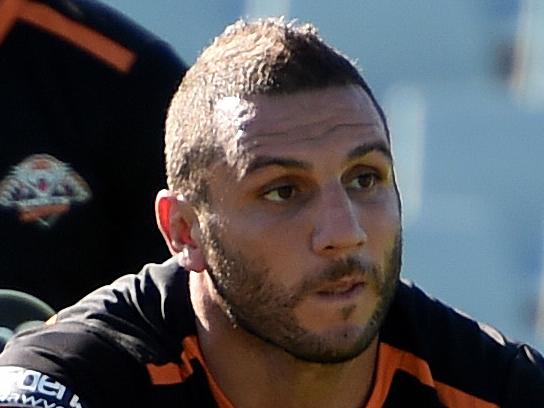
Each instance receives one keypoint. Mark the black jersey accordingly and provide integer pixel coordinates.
(134, 344)
(83, 99)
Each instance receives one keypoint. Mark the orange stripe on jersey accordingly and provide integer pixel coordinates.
(83, 37)
(172, 373)
(391, 359)
(9, 10)
(166, 374)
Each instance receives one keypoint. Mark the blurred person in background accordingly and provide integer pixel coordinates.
(20, 311)
(284, 219)
(83, 97)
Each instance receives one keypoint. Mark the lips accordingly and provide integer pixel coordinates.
(341, 288)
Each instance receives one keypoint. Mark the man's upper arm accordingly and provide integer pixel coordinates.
(71, 367)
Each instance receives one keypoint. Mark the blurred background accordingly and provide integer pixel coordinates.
(462, 83)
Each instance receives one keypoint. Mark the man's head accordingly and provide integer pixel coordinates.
(283, 190)
(267, 57)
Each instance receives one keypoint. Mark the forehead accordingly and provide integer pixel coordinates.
(262, 123)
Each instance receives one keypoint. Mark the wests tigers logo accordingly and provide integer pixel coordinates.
(41, 189)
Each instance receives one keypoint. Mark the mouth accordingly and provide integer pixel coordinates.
(341, 290)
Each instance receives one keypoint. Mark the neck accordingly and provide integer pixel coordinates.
(252, 372)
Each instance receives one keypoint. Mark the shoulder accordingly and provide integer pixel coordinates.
(67, 364)
(98, 349)
(464, 355)
(115, 25)
(99, 30)
(147, 313)
(525, 382)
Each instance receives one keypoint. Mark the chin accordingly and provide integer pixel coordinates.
(334, 346)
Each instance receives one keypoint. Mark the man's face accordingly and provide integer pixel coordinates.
(302, 237)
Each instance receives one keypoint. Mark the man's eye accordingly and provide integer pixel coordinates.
(364, 181)
(280, 194)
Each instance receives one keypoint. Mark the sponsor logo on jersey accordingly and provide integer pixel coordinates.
(41, 189)
(20, 387)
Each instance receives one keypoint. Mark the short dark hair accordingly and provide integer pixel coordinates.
(270, 57)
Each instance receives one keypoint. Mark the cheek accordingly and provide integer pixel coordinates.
(382, 224)
(275, 233)
(280, 247)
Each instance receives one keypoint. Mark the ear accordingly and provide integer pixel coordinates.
(180, 229)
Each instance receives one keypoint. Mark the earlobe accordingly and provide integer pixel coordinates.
(191, 259)
(180, 229)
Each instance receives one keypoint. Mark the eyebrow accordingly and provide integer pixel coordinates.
(265, 161)
(359, 151)
(367, 148)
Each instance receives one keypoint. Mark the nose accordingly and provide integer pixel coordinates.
(337, 229)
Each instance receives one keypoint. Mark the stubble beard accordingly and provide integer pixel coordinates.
(253, 302)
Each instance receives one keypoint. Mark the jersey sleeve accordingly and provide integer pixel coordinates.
(21, 387)
(68, 365)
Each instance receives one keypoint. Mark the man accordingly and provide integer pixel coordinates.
(283, 217)
(83, 96)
